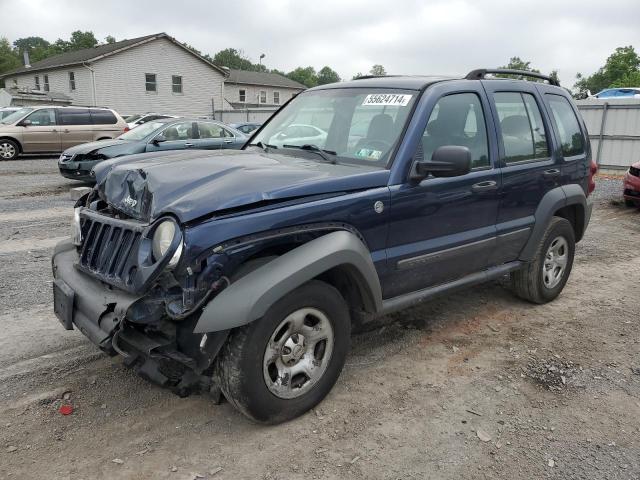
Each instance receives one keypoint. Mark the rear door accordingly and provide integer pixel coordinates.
(442, 229)
(76, 126)
(528, 165)
(105, 124)
(177, 136)
(41, 135)
(212, 136)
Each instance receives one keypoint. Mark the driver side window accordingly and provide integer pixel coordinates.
(43, 117)
(458, 119)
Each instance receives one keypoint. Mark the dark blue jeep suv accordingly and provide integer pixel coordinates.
(243, 273)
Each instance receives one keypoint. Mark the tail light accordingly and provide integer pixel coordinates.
(126, 129)
(593, 169)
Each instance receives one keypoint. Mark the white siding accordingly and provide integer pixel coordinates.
(120, 81)
(232, 93)
(59, 82)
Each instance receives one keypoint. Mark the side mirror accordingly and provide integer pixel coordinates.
(159, 139)
(25, 123)
(446, 161)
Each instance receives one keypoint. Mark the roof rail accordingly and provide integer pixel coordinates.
(480, 73)
(364, 77)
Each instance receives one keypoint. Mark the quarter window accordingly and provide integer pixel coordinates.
(176, 83)
(72, 81)
(263, 96)
(276, 98)
(211, 130)
(42, 117)
(150, 84)
(458, 119)
(523, 134)
(567, 124)
(37, 78)
(242, 95)
(46, 83)
(103, 117)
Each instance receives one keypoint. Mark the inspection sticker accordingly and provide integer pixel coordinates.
(386, 99)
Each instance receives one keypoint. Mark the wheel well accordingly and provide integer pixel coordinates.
(104, 138)
(574, 214)
(13, 140)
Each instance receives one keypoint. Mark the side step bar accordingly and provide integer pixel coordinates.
(414, 298)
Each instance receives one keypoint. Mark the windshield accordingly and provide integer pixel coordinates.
(354, 125)
(132, 118)
(142, 131)
(15, 116)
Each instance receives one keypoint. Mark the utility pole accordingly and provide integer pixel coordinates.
(262, 55)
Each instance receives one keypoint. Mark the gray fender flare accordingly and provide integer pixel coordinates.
(251, 296)
(551, 202)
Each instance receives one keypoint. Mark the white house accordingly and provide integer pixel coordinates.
(151, 73)
(244, 89)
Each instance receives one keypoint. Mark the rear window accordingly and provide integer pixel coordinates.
(567, 124)
(103, 117)
(74, 116)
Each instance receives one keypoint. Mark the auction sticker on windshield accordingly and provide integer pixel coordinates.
(386, 99)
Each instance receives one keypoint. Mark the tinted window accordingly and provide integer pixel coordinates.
(74, 116)
(458, 120)
(521, 127)
(211, 130)
(103, 117)
(43, 117)
(567, 124)
(179, 131)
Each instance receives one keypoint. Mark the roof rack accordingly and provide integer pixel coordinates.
(364, 77)
(480, 73)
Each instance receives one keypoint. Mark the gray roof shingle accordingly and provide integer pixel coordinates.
(88, 54)
(262, 78)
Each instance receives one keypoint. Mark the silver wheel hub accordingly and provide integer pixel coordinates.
(298, 353)
(7, 150)
(555, 262)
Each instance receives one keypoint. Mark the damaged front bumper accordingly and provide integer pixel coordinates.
(165, 352)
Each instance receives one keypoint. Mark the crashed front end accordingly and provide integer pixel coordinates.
(117, 280)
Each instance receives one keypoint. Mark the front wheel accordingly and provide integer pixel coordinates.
(8, 149)
(542, 280)
(280, 366)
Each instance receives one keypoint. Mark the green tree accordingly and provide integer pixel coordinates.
(305, 75)
(80, 40)
(9, 60)
(110, 39)
(378, 71)
(37, 47)
(357, 76)
(516, 63)
(621, 69)
(235, 59)
(327, 75)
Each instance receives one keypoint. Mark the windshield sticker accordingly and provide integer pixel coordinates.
(369, 154)
(379, 99)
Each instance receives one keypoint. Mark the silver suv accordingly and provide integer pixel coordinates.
(51, 129)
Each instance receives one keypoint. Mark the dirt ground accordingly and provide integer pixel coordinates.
(478, 385)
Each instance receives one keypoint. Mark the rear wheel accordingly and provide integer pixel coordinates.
(542, 280)
(8, 149)
(285, 363)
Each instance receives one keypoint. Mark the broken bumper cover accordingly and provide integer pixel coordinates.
(83, 302)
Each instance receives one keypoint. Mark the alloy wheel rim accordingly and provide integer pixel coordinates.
(298, 353)
(7, 150)
(555, 262)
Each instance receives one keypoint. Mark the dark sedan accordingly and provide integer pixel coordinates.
(158, 135)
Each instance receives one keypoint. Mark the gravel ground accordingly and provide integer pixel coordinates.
(477, 385)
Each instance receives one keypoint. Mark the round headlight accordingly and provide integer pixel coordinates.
(162, 238)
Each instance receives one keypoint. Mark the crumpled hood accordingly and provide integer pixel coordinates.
(91, 146)
(198, 183)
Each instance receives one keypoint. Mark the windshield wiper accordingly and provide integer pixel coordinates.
(316, 149)
(263, 146)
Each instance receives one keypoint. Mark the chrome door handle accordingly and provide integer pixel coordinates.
(228, 141)
(66, 130)
(551, 173)
(188, 144)
(484, 186)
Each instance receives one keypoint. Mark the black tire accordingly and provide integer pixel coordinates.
(630, 203)
(239, 366)
(9, 150)
(528, 283)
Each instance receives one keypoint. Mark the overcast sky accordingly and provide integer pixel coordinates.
(408, 37)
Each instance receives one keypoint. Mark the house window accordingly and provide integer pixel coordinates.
(242, 95)
(150, 82)
(72, 81)
(46, 83)
(276, 98)
(176, 83)
(263, 96)
(37, 82)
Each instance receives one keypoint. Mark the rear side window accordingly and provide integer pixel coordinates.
(567, 124)
(74, 116)
(103, 117)
(458, 119)
(522, 131)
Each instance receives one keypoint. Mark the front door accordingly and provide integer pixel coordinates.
(40, 134)
(212, 136)
(529, 168)
(442, 229)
